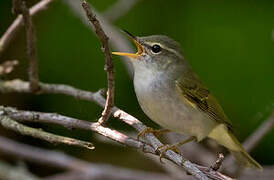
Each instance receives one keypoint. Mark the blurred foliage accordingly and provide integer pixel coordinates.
(228, 43)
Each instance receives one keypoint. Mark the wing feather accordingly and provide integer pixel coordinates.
(200, 97)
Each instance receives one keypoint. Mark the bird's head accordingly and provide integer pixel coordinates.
(157, 53)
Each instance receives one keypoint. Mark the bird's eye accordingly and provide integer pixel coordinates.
(156, 48)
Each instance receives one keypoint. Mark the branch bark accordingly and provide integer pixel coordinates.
(20, 7)
(110, 175)
(10, 124)
(68, 122)
(196, 171)
(108, 66)
(64, 161)
(117, 40)
(14, 28)
(254, 139)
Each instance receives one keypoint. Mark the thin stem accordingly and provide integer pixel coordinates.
(20, 7)
(109, 65)
(14, 28)
(253, 140)
(9, 123)
(67, 162)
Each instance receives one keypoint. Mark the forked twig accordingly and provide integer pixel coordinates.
(9, 123)
(20, 7)
(13, 29)
(109, 65)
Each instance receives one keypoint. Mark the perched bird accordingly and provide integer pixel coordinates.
(172, 95)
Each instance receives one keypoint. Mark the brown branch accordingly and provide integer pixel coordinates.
(191, 168)
(214, 174)
(7, 37)
(198, 171)
(117, 40)
(30, 116)
(10, 124)
(64, 161)
(109, 65)
(60, 160)
(68, 122)
(20, 7)
(110, 175)
(194, 151)
(7, 67)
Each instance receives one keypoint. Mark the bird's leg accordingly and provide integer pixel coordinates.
(153, 131)
(174, 147)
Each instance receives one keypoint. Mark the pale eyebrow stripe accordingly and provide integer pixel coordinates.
(164, 47)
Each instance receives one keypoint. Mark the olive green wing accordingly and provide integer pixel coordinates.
(200, 97)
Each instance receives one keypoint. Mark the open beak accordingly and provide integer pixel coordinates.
(140, 48)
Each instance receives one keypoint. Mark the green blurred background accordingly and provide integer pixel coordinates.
(229, 44)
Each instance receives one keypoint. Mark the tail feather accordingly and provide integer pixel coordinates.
(226, 138)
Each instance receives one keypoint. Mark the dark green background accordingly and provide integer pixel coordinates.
(229, 44)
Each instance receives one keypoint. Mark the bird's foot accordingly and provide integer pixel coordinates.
(174, 147)
(164, 148)
(153, 131)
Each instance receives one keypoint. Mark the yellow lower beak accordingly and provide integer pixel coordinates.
(140, 50)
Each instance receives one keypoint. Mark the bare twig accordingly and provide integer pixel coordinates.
(68, 122)
(194, 151)
(52, 138)
(117, 40)
(198, 171)
(178, 159)
(17, 24)
(214, 174)
(9, 172)
(109, 65)
(253, 140)
(218, 162)
(20, 7)
(119, 9)
(7, 67)
(110, 175)
(64, 161)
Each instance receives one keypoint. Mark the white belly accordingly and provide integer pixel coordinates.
(164, 105)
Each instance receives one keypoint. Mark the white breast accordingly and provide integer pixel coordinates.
(163, 104)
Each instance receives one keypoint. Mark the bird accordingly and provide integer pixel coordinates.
(172, 95)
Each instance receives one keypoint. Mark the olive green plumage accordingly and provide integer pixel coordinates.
(173, 96)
